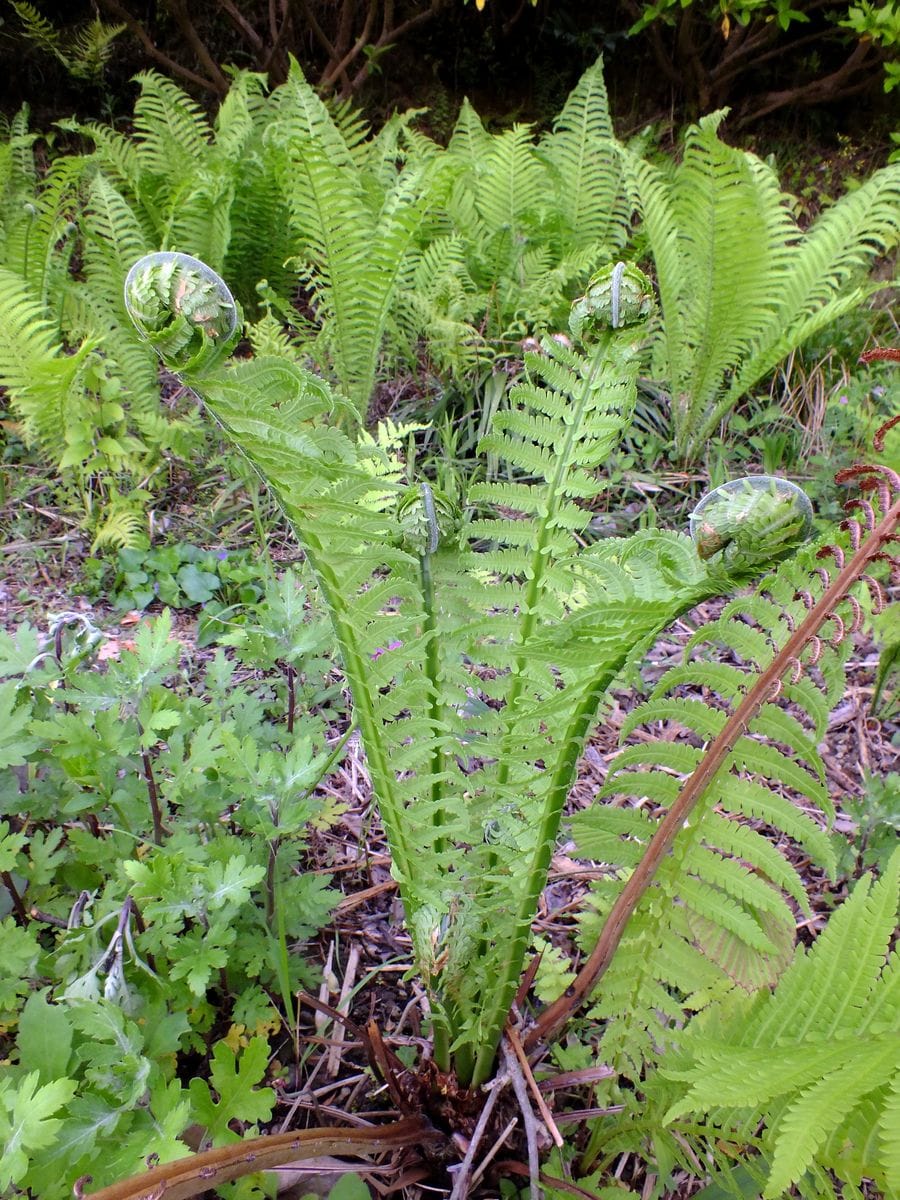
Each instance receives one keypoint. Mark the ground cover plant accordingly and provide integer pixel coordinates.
(479, 644)
(155, 885)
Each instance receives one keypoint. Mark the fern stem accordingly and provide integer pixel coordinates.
(553, 1017)
(539, 555)
(502, 995)
(432, 669)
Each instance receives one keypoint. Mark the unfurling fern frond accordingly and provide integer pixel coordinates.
(817, 1060)
(698, 913)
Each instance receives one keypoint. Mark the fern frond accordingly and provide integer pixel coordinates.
(740, 286)
(91, 48)
(120, 526)
(39, 30)
(469, 141)
(116, 153)
(26, 335)
(835, 251)
(172, 132)
(583, 155)
(808, 1059)
(512, 181)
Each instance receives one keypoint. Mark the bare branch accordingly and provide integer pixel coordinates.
(242, 25)
(179, 10)
(838, 84)
(121, 14)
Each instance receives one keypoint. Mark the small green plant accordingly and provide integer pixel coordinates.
(177, 576)
(876, 819)
(152, 901)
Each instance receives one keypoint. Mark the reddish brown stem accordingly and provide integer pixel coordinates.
(199, 1173)
(122, 15)
(159, 829)
(179, 10)
(560, 1011)
(18, 906)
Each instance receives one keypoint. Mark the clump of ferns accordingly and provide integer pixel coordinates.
(804, 612)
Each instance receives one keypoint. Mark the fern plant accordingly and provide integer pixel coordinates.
(478, 648)
(691, 926)
(84, 51)
(534, 219)
(355, 218)
(740, 285)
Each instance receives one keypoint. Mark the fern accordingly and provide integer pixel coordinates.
(704, 904)
(172, 131)
(537, 219)
(355, 245)
(818, 1059)
(28, 346)
(519, 634)
(84, 53)
(583, 156)
(740, 286)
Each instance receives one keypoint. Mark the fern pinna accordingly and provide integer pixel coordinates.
(817, 1060)
(478, 645)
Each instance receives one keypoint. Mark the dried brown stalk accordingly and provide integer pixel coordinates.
(199, 1173)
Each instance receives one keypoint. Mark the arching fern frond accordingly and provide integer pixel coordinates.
(733, 773)
(702, 900)
(470, 141)
(740, 286)
(583, 155)
(355, 246)
(172, 131)
(818, 1059)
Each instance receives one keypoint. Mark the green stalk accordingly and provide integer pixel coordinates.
(432, 670)
(539, 557)
(526, 629)
(280, 956)
(442, 1021)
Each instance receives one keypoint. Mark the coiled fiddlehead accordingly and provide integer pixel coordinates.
(751, 522)
(182, 308)
(616, 296)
